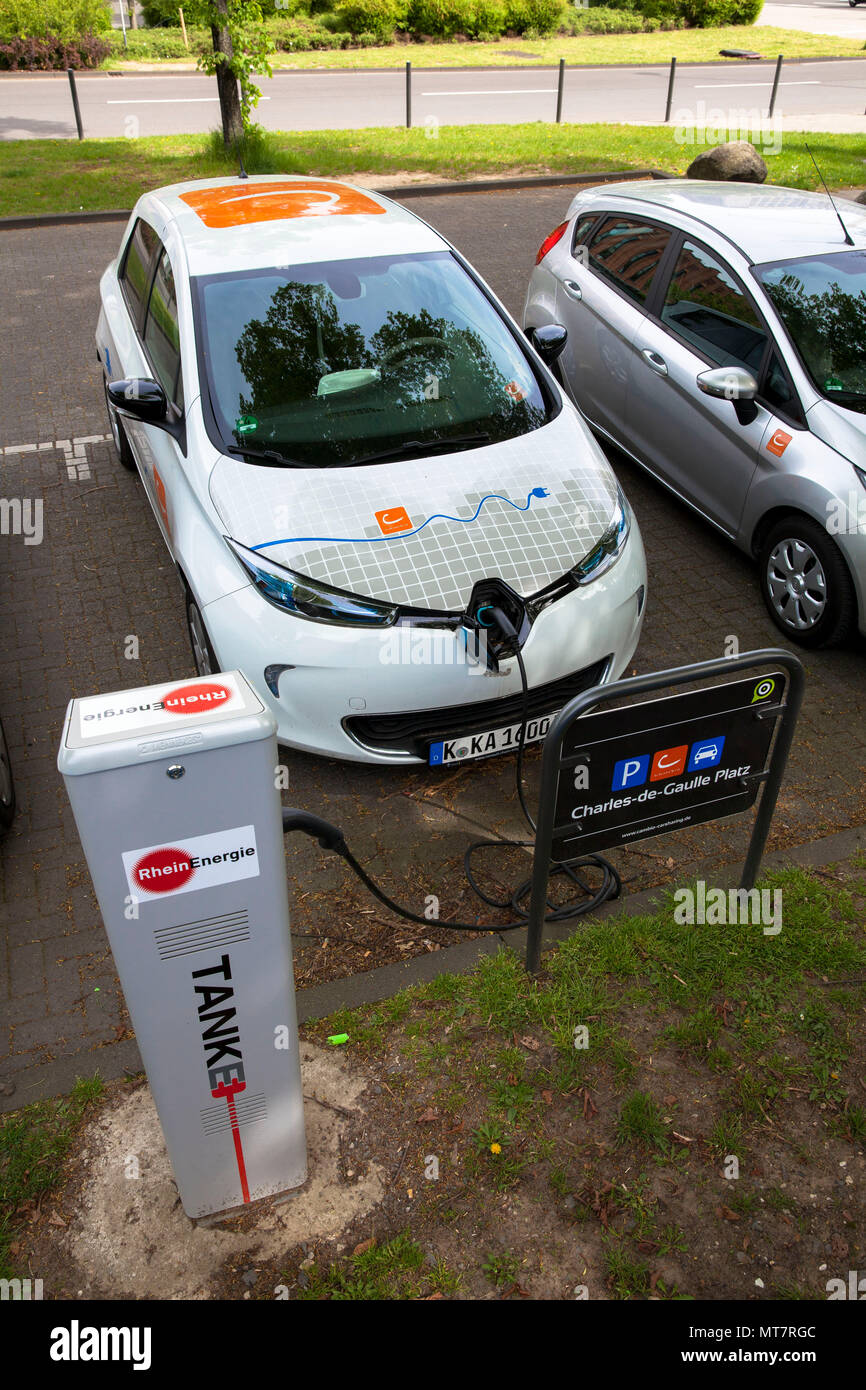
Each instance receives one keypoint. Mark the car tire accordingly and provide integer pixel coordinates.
(203, 654)
(7, 786)
(806, 584)
(118, 434)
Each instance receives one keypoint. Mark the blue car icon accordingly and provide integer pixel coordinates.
(706, 753)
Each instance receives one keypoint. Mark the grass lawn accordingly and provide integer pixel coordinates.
(689, 45)
(34, 1144)
(42, 176)
(667, 1111)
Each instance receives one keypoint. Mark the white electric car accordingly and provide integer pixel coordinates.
(359, 463)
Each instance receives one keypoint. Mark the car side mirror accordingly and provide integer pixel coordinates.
(548, 341)
(140, 397)
(732, 384)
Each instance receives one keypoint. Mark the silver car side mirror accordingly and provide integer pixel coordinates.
(728, 384)
(732, 384)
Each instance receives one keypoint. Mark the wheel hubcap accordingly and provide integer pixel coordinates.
(199, 640)
(797, 584)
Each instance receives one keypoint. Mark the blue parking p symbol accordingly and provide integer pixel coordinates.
(630, 772)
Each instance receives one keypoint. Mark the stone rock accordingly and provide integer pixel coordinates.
(736, 161)
(861, 197)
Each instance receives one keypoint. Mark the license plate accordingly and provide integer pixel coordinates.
(459, 750)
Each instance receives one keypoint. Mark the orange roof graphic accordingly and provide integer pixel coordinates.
(237, 204)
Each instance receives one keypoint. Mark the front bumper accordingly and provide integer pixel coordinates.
(355, 693)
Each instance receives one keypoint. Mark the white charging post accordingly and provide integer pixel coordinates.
(174, 795)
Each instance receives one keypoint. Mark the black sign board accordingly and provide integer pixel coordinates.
(646, 769)
(624, 774)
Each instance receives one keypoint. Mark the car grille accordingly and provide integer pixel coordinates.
(411, 732)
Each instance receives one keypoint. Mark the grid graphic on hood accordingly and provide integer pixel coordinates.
(438, 567)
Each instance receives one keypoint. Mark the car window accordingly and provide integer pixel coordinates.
(582, 228)
(136, 264)
(627, 252)
(161, 333)
(705, 305)
(777, 391)
(332, 362)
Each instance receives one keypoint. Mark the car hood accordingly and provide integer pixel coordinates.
(844, 430)
(423, 532)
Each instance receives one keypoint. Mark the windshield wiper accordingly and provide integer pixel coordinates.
(420, 446)
(268, 455)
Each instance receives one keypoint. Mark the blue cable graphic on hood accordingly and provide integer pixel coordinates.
(404, 535)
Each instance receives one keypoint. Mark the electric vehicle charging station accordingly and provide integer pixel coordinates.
(174, 796)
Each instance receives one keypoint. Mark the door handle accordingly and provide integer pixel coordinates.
(655, 360)
(572, 289)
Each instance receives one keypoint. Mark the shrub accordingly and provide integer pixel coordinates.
(541, 16)
(61, 19)
(43, 55)
(142, 44)
(488, 19)
(301, 34)
(699, 13)
(378, 18)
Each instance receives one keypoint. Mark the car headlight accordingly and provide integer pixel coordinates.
(609, 548)
(306, 598)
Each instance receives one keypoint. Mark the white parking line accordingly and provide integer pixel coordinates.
(708, 86)
(63, 444)
(496, 92)
(162, 101)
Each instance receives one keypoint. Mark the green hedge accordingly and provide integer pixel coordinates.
(142, 44)
(64, 20)
(377, 17)
(700, 14)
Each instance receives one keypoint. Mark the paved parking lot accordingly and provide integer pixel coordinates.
(101, 574)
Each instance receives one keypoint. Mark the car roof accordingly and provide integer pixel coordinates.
(767, 222)
(235, 223)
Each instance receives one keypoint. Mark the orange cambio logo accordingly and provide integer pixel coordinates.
(779, 443)
(394, 519)
(161, 498)
(239, 205)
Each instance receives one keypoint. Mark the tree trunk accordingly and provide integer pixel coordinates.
(227, 84)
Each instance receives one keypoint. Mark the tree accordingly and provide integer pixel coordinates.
(241, 47)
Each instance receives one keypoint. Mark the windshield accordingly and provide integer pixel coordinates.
(822, 301)
(340, 362)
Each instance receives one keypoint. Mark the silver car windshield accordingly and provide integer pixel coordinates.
(352, 362)
(822, 302)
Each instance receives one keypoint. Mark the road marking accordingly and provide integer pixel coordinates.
(708, 86)
(162, 101)
(496, 92)
(68, 446)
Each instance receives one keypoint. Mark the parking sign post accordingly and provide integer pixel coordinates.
(174, 797)
(627, 774)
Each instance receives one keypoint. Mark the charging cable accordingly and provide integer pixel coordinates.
(331, 838)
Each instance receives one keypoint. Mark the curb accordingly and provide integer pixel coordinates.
(409, 190)
(159, 70)
(41, 1082)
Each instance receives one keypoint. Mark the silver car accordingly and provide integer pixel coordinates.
(717, 335)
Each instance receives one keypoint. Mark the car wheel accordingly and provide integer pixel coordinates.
(806, 585)
(203, 653)
(7, 788)
(118, 434)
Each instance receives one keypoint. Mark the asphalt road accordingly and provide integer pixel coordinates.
(817, 17)
(817, 95)
(101, 573)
